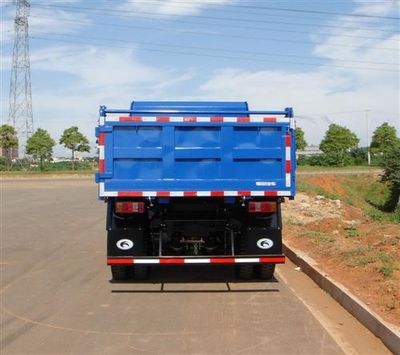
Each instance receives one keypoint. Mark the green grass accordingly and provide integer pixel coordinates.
(351, 231)
(358, 256)
(380, 216)
(384, 257)
(362, 260)
(323, 241)
(364, 255)
(361, 250)
(387, 270)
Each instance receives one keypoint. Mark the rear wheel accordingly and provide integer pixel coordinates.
(140, 272)
(267, 271)
(245, 272)
(119, 272)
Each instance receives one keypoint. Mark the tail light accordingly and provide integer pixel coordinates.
(262, 207)
(129, 207)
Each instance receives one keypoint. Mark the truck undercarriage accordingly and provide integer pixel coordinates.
(145, 232)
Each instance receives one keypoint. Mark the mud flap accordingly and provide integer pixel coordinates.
(126, 242)
(262, 241)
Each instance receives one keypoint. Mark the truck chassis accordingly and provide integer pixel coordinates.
(163, 231)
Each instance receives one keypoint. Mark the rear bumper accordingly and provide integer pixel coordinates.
(243, 259)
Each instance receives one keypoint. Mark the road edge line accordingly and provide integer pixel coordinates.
(388, 333)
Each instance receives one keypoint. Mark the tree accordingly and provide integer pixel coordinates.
(383, 139)
(8, 142)
(359, 156)
(301, 143)
(337, 143)
(40, 146)
(75, 141)
(391, 174)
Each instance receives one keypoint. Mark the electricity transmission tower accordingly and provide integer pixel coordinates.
(20, 114)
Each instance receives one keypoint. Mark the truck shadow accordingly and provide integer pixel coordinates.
(223, 276)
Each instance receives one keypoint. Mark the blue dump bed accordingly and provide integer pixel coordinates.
(189, 149)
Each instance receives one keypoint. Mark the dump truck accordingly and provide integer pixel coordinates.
(195, 183)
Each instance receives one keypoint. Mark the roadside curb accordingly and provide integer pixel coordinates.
(389, 334)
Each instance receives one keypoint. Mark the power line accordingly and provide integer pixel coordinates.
(227, 50)
(214, 6)
(122, 13)
(320, 12)
(280, 9)
(254, 28)
(245, 36)
(158, 45)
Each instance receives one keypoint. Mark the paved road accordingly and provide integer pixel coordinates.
(57, 297)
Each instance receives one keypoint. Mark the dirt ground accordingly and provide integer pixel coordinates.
(362, 254)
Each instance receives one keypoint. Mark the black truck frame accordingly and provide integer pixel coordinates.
(145, 232)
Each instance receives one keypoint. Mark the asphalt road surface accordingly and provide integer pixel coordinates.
(57, 297)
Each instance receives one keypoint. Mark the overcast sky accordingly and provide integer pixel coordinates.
(302, 53)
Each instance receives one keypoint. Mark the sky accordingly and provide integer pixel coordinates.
(330, 60)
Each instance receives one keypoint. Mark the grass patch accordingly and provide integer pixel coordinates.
(377, 194)
(351, 231)
(380, 216)
(363, 260)
(386, 270)
(323, 241)
(365, 255)
(362, 250)
(384, 257)
(358, 256)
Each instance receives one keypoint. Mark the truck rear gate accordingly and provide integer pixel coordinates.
(194, 183)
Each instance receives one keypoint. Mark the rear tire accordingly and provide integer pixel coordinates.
(120, 272)
(140, 272)
(267, 271)
(245, 272)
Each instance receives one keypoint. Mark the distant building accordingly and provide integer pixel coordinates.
(60, 159)
(309, 151)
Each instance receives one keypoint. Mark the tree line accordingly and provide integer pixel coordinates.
(40, 145)
(339, 147)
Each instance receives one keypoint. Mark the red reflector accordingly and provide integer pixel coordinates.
(129, 207)
(262, 207)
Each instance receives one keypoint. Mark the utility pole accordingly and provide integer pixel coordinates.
(367, 121)
(20, 114)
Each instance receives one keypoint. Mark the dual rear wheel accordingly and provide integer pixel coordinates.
(123, 272)
(263, 271)
(251, 271)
